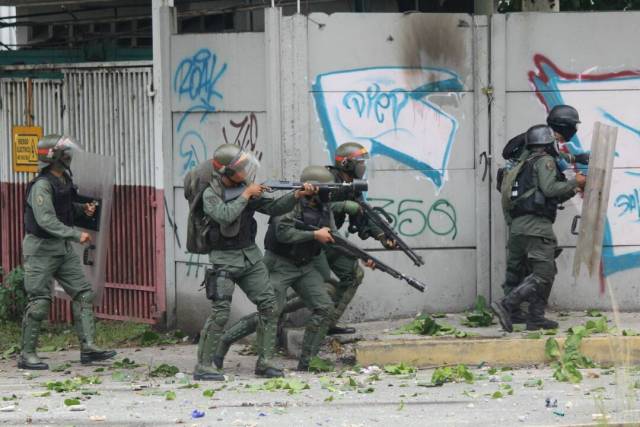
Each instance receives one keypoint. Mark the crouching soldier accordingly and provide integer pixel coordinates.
(235, 257)
(290, 255)
(49, 216)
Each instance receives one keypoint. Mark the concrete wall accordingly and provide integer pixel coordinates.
(589, 61)
(415, 90)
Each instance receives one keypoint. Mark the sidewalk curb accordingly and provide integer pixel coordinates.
(493, 351)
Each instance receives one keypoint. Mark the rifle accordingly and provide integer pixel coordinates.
(382, 220)
(348, 248)
(275, 184)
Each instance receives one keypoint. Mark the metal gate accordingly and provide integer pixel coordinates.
(109, 109)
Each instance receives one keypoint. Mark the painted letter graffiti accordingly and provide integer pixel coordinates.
(196, 77)
(246, 134)
(376, 108)
(606, 98)
(193, 150)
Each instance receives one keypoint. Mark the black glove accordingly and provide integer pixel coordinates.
(582, 158)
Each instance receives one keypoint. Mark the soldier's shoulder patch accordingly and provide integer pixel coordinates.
(39, 200)
(550, 164)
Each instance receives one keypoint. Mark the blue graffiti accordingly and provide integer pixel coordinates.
(196, 77)
(630, 204)
(374, 106)
(193, 150)
(549, 82)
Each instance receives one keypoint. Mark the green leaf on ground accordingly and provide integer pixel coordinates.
(534, 335)
(164, 371)
(71, 402)
(552, 349)
(317, 364)
(125, 363)
(481, 316)
(506, 378)
(452, 374)
(593, 313)
(399, 369)
(532, 382)
(329, 399)
(426, 325)
(170, 395)
(497, 395)
(208, 392)
(61, 368)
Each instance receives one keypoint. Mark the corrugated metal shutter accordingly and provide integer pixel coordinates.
(110, 111)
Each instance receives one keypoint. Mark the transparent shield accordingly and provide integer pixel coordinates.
(94, 176)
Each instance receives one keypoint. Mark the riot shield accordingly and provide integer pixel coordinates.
(596, 199)
(94, 176)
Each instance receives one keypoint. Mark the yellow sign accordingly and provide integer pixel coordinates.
(25, 148)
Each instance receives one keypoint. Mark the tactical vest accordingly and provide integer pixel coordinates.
(303, 252)
(529, 199)
(246, 236)
(64, 194)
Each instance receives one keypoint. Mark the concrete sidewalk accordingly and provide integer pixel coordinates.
(343, 399)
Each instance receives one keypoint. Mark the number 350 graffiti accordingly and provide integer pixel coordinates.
(410, 219)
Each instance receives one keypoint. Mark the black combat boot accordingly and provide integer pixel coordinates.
(536, 319)
(504, 307)
(518, 316)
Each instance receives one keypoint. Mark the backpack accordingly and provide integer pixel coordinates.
(509, 178)
(198, 224)
(511, 153)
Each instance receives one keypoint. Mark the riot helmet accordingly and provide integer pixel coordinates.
(542, 136)
(316, 175)
(236, 164)
(564, 119)
(351, 158)
(57, 150)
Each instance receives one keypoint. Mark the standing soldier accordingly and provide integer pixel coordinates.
(531, 193)
(50, 212)
(235, 257)
(290, 252)
(563, 119)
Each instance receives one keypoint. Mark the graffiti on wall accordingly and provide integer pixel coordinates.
(196, 79)
(412, 217)
(554, 86)
(378, 108)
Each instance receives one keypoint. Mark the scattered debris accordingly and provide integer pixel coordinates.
(10, 408)
(399, 369)
(125, 363)
(98, 418)
(197, 414)
(426, 325)
(452, 374)
(165, 371)
(317, 364)
(548, 403)
(481, 316)
(77, 408)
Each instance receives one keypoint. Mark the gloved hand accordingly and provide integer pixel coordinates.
(582, 158)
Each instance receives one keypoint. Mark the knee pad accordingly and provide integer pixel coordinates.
(38, 309)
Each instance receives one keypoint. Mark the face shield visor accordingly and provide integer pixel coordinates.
(67, 147)
(360, 161)
(244, 168)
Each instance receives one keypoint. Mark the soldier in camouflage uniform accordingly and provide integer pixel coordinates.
(50, 212)
(236, 259)
(530, 197)
(563, 119)
(290, 252)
